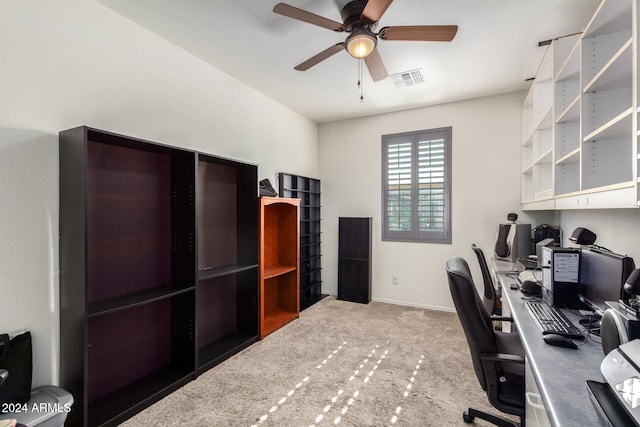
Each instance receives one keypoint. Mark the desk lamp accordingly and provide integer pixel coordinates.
(632, 287)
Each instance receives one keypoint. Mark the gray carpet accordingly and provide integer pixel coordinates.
(340, 363)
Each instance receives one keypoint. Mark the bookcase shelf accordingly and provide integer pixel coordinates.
(354, 259)
(227, 289)
(308, 190)
(112, 305)
(227, 316)
(158, 269)
(280, 304)
(278, 270)
(279, 262)
(136, 396)
(209, 273)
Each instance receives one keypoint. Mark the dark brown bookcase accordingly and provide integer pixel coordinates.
(227, 290)
(146, 299)
(354, 259)
(309, 192)
(279, 262)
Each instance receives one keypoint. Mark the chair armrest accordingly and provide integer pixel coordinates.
(490, 363)
(3, 375)
(502, 318)
(492, 358)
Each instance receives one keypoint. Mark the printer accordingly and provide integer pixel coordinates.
(618, 400)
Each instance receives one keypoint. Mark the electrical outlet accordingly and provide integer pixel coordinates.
(394, 279)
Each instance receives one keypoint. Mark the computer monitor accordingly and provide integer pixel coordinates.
(602, 276)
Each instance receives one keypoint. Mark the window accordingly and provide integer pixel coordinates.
(416, 186)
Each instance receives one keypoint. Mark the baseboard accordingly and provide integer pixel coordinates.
(411, 304)
(396, 302)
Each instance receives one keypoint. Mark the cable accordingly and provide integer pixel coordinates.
(587, 330)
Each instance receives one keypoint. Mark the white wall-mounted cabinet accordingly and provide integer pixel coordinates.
(567, 107)
(537, 144)
(594, 131)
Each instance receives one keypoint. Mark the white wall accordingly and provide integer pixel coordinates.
(486, 186)
(615, 229)
(75, 62)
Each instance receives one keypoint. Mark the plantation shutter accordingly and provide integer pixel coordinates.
(399, 206)
(416, 186)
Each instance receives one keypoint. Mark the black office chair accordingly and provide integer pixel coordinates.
(498, 357)
(489, 299)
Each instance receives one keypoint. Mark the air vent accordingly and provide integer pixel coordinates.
(408, 78)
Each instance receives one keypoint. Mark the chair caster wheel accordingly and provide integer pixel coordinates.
(467, 418)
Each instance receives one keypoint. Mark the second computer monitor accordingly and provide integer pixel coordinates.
(602, 276)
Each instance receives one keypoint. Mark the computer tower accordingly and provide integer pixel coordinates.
(513, 242)
(561, 277)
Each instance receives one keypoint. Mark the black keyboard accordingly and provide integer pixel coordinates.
(552, 321)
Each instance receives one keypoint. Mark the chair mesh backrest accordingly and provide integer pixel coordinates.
(473, 316)
(490, 299)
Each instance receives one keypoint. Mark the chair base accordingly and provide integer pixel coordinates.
(469, 416)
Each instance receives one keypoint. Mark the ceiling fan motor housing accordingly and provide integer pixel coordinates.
(352, 15)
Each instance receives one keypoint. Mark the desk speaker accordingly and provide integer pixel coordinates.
(582, 236)
(513, 241)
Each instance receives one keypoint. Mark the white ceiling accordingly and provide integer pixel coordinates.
(246, 40)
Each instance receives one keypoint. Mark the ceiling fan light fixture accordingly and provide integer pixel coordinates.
(360, 44)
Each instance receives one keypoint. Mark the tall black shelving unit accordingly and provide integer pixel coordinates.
(354, 259)
(309, 192)
(227, 286)
(147, 297)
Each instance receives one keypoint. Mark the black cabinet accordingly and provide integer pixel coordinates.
(136, 292)
(308, 191)
(354, 259)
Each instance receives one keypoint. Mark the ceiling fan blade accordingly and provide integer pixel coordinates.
(427, 33)
(304, 66)
(304, 16)
(374, 10)
(376, 66)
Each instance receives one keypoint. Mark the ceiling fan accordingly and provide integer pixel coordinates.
(360, 19)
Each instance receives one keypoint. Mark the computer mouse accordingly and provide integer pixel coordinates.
(530, 287)
(559, 340)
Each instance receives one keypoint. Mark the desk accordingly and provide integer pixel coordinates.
(560, 373)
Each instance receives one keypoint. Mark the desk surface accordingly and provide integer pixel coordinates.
(560, 373)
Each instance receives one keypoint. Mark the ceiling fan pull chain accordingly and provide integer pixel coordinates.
(360, 82)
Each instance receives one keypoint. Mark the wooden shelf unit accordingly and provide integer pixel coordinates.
(127, 273)
(279, 262)
(227, 286)
(147, 300)
(309, 192)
